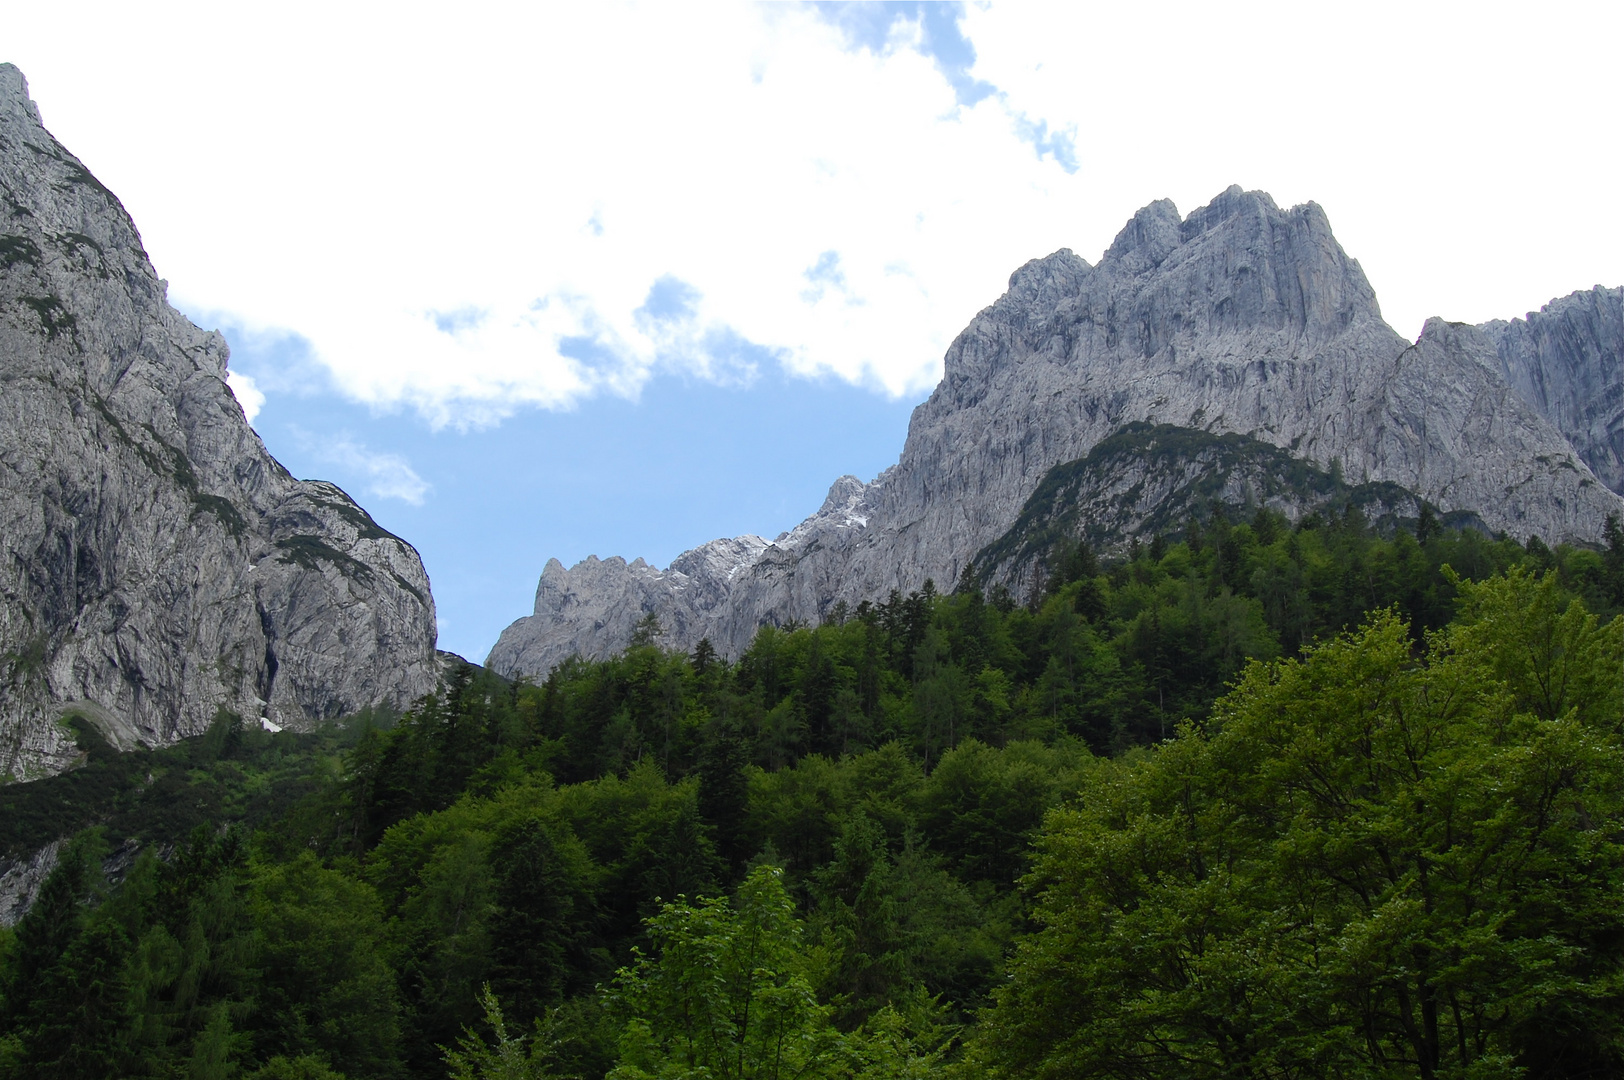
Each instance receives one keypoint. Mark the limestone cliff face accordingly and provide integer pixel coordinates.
(1240, 318)
(592, 608)
(156, 563)
(1567, 361)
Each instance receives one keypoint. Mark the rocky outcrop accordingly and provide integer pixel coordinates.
(21, 877)
(156, 563)
(1150, 480)
(1567, 361)
(594, 607)
(1240, 318)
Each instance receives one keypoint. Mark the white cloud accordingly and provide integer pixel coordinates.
(389, 476)
(248, 395)
(384, 475)
(466, 215)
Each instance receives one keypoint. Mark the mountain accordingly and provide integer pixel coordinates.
(158, 564)
(1241, 318)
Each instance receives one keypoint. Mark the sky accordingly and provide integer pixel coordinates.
(537, 281)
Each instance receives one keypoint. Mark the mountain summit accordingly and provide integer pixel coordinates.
(1238, 319)
(158, 564)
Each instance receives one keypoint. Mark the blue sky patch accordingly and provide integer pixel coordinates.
(869, 26)
(670, 299)
(454, 322)
(827, 270)
(1060, 145)
(688, 461)
(589, 351)
(279, 361)
(735, 360)
(824, 274)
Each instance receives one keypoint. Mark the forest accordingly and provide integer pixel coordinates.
(1254, 799)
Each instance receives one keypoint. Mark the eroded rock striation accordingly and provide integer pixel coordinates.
(1241, 318)
(1567, 360)
(156, 563)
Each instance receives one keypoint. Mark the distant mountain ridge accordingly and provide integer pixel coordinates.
(158, 564)
(1241, 318)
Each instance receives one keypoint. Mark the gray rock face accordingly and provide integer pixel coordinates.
(21, 878)
(159, 564)
(1240, 318)
(592, 608)
(1567, 361)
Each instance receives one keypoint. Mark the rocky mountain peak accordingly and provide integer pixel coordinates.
(843, 494)
(1044, 284)
(1468, 340)
(1148, 238)
(1241, 263)
(1239, 266)
(1254, 208)
(14, 99)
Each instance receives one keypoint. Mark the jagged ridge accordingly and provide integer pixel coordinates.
(1241, 318)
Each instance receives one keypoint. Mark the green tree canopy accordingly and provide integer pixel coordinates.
(1367, 864)
(725, 994)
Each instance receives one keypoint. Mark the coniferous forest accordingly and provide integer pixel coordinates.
(1253, 800)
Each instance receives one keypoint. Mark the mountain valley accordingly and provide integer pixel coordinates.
(1218, 685)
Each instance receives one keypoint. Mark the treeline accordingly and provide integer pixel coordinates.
(497, 875)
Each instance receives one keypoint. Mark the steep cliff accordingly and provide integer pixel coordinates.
(1567, 361)
(1240, 318)
(156, 563)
